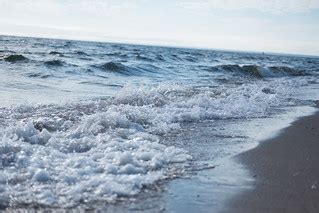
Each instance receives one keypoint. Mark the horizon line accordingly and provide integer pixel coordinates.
(110, 41)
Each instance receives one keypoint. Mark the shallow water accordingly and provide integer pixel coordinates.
(86, 123)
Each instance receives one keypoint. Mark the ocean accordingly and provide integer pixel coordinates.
(90, 123)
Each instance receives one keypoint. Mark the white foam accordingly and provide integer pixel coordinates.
(102, 150)
(91, 166)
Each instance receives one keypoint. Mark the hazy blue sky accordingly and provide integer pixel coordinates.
(290, 26)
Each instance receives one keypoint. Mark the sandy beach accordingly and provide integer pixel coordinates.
(286, 171)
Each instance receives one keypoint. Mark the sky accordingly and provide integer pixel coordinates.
(283, 26)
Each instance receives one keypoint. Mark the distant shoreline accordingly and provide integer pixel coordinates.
(286, 171)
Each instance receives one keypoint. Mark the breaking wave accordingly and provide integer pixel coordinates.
(260, 71)
(104, 133)
(111, 148)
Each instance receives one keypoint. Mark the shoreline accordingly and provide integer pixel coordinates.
(204, 189)
(285, 169)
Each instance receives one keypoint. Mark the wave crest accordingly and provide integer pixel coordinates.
(115, 67)
(260, 71)
(54, 63)
(15, 58)
(56, 53)
(114, 142)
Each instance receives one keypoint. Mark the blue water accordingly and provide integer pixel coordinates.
(55, 70)
(88, 122)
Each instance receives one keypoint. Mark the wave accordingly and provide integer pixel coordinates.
(144, 58)
(190, 58)
(117, 54)
(81, 53)
(253, 70)
(113, 142)
(39, 75)
(145, 70)
(160, 57)
(56, 53)
(113, 66)
(260, 71)
(101, 84)
(175, 57)
(15, 58)
(114, 147)
(287, 71)
(54, 63)
(116, 67)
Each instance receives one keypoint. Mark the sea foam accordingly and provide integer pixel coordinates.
(104, 150)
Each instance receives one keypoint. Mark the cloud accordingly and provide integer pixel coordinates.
(65, 6)
(271, 6)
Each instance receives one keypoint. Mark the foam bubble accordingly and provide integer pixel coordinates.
(64, 155)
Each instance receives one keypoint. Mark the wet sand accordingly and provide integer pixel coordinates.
(286, 171)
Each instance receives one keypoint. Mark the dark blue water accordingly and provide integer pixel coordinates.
(87, 122)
